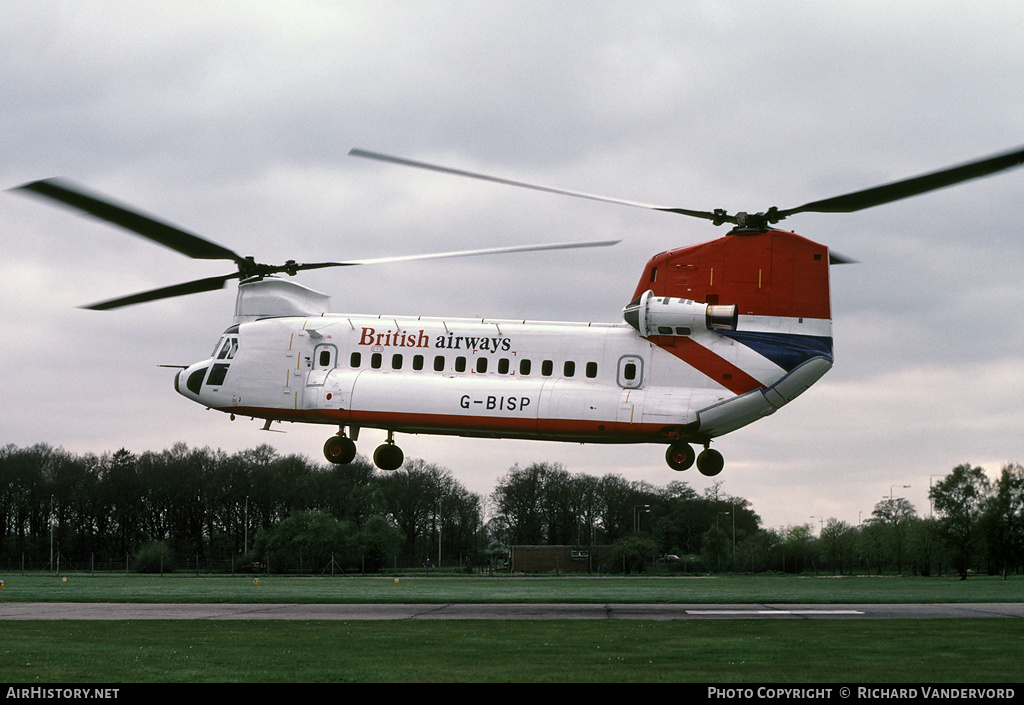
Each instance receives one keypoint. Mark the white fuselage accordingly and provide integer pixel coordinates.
(586, 382)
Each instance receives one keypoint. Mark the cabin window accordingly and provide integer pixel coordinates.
(417, 362)
(439, 363)
(375, 361)
(547, 368)
(396, 362)
(325, 357)
(503, 366)
(569, 368)
(524, 367)
(630, 372)
(355, 359)
(591, 370)
(460, 364)
(481, 364)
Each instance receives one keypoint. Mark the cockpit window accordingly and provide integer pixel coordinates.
(228, 349)
(195, 380)
(225, 352)
(217, 375)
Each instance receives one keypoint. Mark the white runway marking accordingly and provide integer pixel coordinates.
(771, 612)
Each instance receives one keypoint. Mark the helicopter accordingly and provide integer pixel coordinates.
(715, 336)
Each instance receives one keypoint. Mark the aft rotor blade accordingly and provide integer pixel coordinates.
(836, 258)
(707, 215)
(914, 186)
(167, 292)
(132, 220)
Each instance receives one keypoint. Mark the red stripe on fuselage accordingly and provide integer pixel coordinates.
(719, 370)
(574, 430)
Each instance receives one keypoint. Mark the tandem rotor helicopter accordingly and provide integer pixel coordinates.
(715, 336)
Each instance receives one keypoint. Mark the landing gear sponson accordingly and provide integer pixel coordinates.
(681, 456)
(341, 449)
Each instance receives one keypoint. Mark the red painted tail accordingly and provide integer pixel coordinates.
(772, 273)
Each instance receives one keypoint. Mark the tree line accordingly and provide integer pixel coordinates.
(974, 524)
(259, 510)
(203, 506)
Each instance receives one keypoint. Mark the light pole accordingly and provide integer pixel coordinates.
(717, 529)
(734, 532)
(931, 501)
(637, 510)
(245, 541)
(893, 486)
(897, 520)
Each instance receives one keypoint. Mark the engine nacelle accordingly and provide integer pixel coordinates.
(664, 315)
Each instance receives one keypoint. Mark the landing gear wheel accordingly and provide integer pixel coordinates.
(388, 457)
(710, 462)
(680, 456)
(340, 450)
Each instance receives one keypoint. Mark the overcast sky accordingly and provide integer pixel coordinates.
(234, 120)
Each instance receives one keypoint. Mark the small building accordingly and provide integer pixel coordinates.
(559, 559)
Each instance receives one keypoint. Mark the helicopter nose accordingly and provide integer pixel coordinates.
(189, 381)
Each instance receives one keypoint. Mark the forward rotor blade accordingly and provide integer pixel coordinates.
(167, 292)
(707, 215)
(134, 221)
(914, 186)
(214, 283)
(463, 253)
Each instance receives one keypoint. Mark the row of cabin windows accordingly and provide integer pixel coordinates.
(547, 367)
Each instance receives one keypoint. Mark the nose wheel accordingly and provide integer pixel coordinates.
(340, 450)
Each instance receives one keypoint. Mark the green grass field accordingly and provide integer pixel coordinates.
(107, 587)
(932, 651)
(898, 651)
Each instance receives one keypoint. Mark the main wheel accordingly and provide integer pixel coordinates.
(340, 450)
(710, 462)
(388, 457)
(680, 456)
